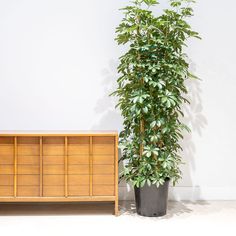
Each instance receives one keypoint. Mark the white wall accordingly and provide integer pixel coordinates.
(58, 63)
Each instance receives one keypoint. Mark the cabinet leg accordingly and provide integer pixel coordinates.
(116, 208)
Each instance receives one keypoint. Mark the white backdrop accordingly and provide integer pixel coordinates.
(58, 63)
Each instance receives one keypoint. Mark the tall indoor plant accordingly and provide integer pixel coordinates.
(151, 91)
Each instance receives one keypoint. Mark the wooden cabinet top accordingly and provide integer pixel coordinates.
(58, 133)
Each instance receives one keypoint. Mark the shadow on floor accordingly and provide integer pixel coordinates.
(36, 209)
(175, 208)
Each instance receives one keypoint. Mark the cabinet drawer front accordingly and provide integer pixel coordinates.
(6, 179)
(50, 180)
(103, 190)
(53, 149)
(57, 160)
(31, 150)
(53, 191)
(75, 149)
(78, 169)
(28, 160)
(78, 179)
(53, 169)
(6, 191)
(78, 160)
(78, 190)
(6, 150)
(28, 169)
(28, 191)
(7, 169)
(27, 180)
(103, 169)
(6, 160)
(103, 179)
(103, 159)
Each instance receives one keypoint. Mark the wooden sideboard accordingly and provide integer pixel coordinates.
(58, 166)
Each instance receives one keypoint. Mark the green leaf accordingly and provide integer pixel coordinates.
(168, 103)
(143, 183)
(153, 124)
(150, 2)
(145, 110)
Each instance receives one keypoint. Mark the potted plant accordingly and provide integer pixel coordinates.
(151, 90)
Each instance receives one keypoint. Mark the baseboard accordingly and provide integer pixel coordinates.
(188, 193)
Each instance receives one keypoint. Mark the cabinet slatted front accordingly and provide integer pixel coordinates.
(59, 166)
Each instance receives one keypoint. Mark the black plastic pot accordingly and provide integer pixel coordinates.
(152, 200)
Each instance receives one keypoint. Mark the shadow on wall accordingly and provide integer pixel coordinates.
(110, 118)
(196, 121)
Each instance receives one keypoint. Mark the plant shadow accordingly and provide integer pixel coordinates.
(174, 209)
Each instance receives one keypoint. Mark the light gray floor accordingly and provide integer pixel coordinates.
(183, 218)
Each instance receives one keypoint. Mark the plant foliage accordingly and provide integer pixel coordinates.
(151, 89)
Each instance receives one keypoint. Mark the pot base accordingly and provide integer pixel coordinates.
(151, 201)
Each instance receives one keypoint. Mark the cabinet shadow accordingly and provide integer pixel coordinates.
(45, 209)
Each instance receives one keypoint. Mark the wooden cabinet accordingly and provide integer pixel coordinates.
(59, 166)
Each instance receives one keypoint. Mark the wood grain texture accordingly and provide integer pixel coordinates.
(28, 160)
(27, 191)
(28, 180)
(53, 169)
(103, 159)
(103, 190)
(7, 140)
(7, 180)
(103, 169)
(15, 165)
(78, 180)
(52, 180)
(28, 169)
(90, 166)
(78, 160)
(7, 191)
(7, 150)
(41, 166)
(103, 179)
(66, 167)
(80, 190)
(53, 149)
(78, 149)
(7, 169)
(53, 160)
(6, 160)
(116, 161)
(28, 149)
(54, 191)
(78, 169)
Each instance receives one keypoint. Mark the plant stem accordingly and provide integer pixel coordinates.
(141, 135)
